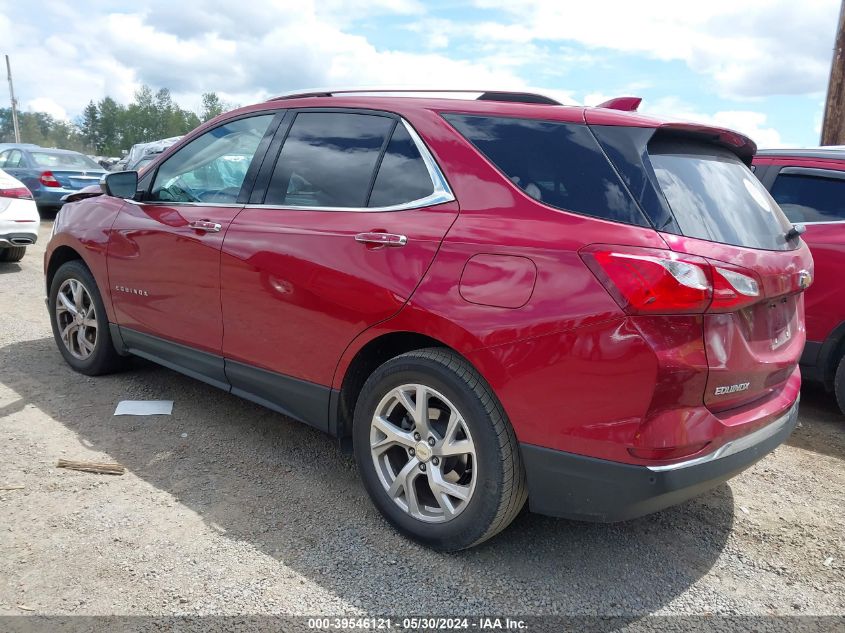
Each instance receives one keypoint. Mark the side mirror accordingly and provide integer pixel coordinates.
(120, 184)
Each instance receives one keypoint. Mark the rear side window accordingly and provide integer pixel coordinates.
(12, 159)
(402, 176)
(559, 164)
(715, 197)
(810, 198)
(328, 160)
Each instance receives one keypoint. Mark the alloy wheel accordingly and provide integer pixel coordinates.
(76, 317)
(423, 453)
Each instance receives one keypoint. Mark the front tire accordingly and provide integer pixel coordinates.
(12, 253)
(436, 451)
(79, 321)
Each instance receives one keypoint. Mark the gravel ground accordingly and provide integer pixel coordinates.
(228, 508)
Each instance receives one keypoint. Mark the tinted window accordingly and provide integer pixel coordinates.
(559, 164)
(328, 160)
(715, 197)
(810, 198)
(402, 176)
(50, 160)
(211, 168)
(12, 158)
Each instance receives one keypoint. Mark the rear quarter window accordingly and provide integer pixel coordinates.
(558, 164)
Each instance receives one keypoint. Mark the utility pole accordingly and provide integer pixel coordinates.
(15, 103)
(833, 128)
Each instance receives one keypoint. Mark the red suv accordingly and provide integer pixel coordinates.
(493, 299)
(809, 185)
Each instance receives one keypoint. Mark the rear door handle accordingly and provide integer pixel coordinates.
(381, 239)
(205, 225)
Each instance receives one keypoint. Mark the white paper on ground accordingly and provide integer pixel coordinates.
(144, 407)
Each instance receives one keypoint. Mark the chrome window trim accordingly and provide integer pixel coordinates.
(165, 203)
(440, 194)
(739, 444)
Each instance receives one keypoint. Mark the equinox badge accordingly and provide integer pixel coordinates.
(742, 386)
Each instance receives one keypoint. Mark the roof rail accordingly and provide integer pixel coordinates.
(484, 95)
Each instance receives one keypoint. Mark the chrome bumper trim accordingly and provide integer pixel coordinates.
(739, 444)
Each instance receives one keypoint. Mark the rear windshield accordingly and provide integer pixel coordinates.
(64, 161)
(715, 197)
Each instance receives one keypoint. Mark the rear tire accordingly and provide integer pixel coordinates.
(463, 470)
(79, 321)
(839, 384)
(12, 253)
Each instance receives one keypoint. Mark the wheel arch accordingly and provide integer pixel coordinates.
(374, 352)
(60, 256)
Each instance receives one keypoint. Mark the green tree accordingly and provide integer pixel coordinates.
(89, 126)
(212, 106)
(108, 127)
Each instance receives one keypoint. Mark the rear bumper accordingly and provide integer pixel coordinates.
(51, 196)
(585, 488)
(19, 225)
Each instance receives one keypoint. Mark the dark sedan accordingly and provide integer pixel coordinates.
(50, 174)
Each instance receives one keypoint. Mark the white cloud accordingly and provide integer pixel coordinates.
(748, 49)
(64, 54)
(751, 123)
(243, 51)
(48, 106)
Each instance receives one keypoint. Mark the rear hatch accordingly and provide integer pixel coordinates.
(76, 179)
(706, 203)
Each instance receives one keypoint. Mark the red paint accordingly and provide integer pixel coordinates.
(174, 268)
(297, 287)
(626, 104)
(496, 275)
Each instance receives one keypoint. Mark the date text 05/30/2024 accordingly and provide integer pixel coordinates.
(419, 623)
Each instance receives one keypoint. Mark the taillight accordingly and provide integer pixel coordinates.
(733, 290)
(655, 281)
(16, 192)
(651, 281)
(48, 179)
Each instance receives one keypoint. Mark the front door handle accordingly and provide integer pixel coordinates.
(205, 225)
(381, 239)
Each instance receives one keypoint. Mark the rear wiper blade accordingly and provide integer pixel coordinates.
(795, 231)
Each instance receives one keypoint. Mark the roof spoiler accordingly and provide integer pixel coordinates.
(626, 104)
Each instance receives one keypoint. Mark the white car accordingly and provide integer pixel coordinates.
(19, 218)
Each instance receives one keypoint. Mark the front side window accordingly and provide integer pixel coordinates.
(328, 160)
(211, 168)
(810, 198)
